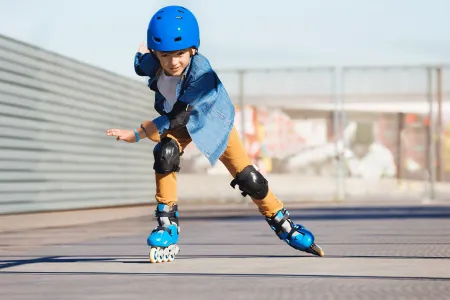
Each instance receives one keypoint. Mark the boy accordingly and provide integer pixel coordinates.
(194, 106)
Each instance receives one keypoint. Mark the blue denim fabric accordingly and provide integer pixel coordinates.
(211, 110)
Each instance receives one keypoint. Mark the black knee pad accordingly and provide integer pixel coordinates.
(167, 156)
(252, 183)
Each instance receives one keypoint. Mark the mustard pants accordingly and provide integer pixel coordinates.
(234, 158)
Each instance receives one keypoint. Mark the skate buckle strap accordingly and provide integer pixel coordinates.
(278, 224)
(295, 229)
(162, 214)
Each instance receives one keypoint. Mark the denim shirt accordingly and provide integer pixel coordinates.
(211, 111)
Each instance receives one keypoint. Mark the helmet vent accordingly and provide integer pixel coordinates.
(158, 40)
(177, 39)
(158, 18)
(181, 11)
(179, 17)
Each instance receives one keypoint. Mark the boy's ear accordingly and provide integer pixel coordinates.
(193, 51)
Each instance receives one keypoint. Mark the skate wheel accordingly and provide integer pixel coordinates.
(160, 255)
(176, 249)
(166, 254)
(316, 250)
(173, 250)
(171, 257)
(154, 254)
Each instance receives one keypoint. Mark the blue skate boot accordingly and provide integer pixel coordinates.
(163, 239)
(295, 235)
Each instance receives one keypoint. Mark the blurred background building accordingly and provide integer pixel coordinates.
(329, 111)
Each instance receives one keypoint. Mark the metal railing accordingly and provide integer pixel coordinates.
(54, 152)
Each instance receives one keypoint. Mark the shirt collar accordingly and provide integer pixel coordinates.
(187, 68)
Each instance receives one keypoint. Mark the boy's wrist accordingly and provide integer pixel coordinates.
(136, 135)
(141, 133)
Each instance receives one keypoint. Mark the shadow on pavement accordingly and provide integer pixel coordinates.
(49, 259)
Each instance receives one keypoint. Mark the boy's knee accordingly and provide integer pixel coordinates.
(167, 156)
(251, 182)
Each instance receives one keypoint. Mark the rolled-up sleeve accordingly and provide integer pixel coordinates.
(162, 123)
(146, 64)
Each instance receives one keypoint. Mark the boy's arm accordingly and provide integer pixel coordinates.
(146, 64)
(148, 129)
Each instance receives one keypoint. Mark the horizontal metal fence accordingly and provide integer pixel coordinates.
(54, 152)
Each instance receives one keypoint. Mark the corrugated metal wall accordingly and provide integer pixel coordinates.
(54, 153)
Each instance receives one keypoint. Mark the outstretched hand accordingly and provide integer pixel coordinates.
(120, 134)
(143, 48)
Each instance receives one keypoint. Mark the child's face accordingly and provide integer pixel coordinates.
(175, 62)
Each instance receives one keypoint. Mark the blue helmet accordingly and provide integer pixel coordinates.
(173, 28)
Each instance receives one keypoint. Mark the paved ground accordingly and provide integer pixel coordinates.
(372, 252)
